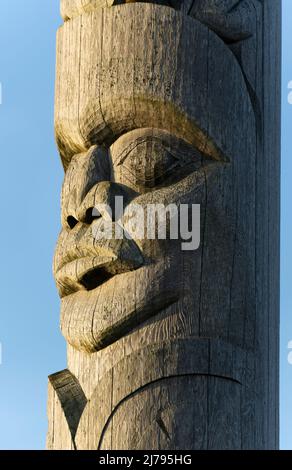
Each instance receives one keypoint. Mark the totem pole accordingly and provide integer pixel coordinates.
(172, 103)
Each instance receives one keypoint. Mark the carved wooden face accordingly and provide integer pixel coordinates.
(112, 283)
(154, 126)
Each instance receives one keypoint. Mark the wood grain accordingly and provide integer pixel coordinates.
(169, 349)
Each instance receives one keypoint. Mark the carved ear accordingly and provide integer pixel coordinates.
(230, 19)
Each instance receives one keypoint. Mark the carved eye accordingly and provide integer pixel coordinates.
(152, 163)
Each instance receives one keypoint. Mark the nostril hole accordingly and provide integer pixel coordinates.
(91, 214)
(71, 221)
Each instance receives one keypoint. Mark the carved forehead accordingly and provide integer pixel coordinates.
(195, 101)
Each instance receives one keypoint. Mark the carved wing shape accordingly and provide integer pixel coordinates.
(230, 19)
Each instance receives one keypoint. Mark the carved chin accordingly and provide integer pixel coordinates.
(92, 320)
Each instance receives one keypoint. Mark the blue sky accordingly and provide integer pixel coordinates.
(32, 346)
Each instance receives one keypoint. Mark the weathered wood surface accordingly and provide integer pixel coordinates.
(169, 349)
(111, 83)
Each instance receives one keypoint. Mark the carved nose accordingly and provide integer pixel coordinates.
(104, 199)
(90, 215)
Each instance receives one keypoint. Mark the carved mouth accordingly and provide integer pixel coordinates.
(95, 278)
(88, 273)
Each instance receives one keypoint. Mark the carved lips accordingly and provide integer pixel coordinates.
(90, 263)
